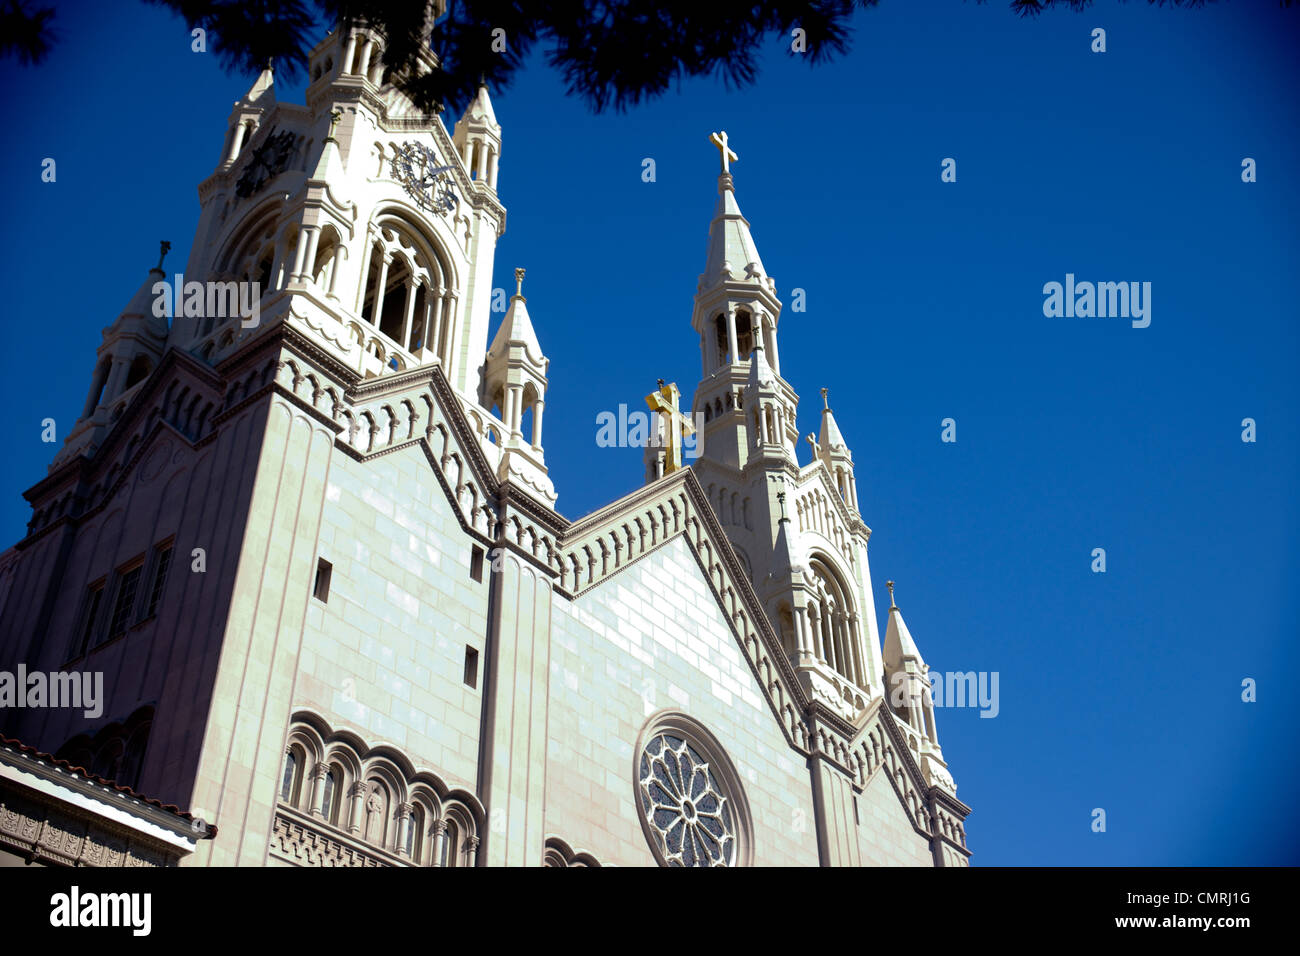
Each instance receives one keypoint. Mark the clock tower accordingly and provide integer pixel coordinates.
(370, 230)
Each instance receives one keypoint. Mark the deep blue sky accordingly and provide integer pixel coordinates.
(1118, 690)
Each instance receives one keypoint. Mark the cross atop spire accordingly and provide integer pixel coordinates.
(725, 152)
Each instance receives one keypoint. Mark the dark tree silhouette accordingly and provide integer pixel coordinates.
(613, 53)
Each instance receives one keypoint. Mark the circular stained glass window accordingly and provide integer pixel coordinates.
(687, 814)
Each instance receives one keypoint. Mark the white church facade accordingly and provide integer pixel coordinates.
(313, 548)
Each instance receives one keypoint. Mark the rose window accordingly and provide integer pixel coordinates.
(687, 814)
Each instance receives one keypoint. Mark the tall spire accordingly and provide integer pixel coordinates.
(733, 255)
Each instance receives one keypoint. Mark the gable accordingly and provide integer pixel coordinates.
(649, 640)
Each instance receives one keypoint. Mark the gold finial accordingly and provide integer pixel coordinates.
(892, 605)
(726, 153)
(825, 401)
(164, 247)
(519, 283)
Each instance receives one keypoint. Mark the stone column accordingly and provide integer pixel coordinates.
(801, 631)
(349, 54)
(313, 241)
(731, 335)
(439, 841)
(367, 47)
(403, 827)
(516, 409)
(357, 793)
(318, 775)
(365, 273)
(404, 337)
(304, 239)
(537, 424)
(237, 141)
(377, 312)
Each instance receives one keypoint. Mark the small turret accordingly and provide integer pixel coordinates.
(247, 115)
(514, 382)
(835, 455)
(131, 349)
(478, 137)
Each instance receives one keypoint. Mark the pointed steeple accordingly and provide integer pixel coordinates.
(517, 330)
(262, 92)
(834, 453)
(899, 646)
(909, 696)
(480, 109)
(748, 408)
(514, 381)
(478, 138)
(786, 556)
(732, 254)
(329, 168)
(247, 115)
(131, 349)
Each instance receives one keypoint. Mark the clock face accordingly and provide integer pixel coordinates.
(416, 167)
(269, 160)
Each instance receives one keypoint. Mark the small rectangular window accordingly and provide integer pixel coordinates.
(125, 604)
(159, 581)
(321, 589)
(476, 563)
(471, 667)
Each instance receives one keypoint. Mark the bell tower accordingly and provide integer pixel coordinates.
(796, 527)
(363, 221)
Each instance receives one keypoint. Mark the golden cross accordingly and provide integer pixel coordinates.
(676, 424)
(724, 151)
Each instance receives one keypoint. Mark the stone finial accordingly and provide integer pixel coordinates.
(892, 605)
(519, 283)
(825, 401)
(164, 247)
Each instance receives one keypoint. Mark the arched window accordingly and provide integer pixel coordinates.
(834, 623)
(744, 335)
(291, 780)
(330, 803)
(405, 277)
(415, 834)
(450, 844)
